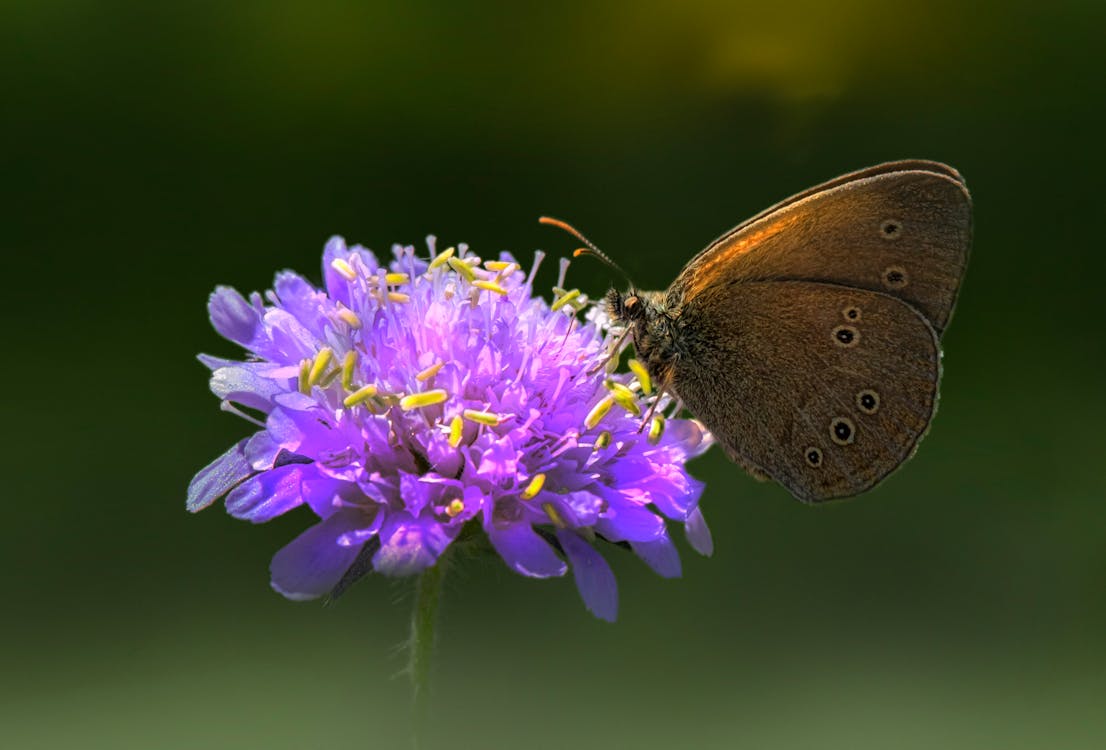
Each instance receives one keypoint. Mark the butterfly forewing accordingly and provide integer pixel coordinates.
(824, 388)
(903, 232)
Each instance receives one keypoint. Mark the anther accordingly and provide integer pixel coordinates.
(490, 286)
(499, 265)
(343, 268)
(624, 397)
(429, 372)
(534, 487)
(456, 428)
(363, 393)
(462, 268)
(398, 297)
(642, 376)
(455, 508)
(598, 412)
(565, 299)
(396, 278)
(603, 440)
(441, 259)
(349, 317)
(656, 429)
(426, 398)
(348, 364)
(484, 417)
(318, 367)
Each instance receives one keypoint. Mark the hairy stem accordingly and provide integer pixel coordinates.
(428, 590)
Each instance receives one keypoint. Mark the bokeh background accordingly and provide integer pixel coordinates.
(152, 150)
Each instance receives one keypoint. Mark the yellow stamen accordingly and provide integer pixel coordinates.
(534, 487)
(483, 417)
(350, 317)
(429, 372)
(305, 370)
(603, 440)
(398, 297)
(637, 368)
(617, 389)
(462, 268)
(554, 516)
(396, 278)
(343, 268)
(456, 426)
(348, 363)
(611, 364)
(426, 398)
(629, 403)
(598, 412)
(361, 394)
(565, 298)
(455, 508)
(318, 367)
(491, 286)
(500, 265)
(656, 429)
(442, 258)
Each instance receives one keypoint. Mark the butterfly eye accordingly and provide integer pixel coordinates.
(868, 401)
(890, 229)
(895, 277)
(851, 313)
(813, 457)
(846, 336)
(842, 430)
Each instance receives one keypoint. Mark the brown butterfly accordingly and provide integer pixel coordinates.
(807, 339)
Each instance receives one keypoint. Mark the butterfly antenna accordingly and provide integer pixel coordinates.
(591, 249)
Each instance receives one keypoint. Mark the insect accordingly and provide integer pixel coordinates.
(807, 339)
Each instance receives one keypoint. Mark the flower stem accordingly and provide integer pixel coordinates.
(428, 589)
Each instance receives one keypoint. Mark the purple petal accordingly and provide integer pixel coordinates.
(218, 478)
(698, 535)
(336, 285)
(625, 520)
(594, 578)
(233, 317)
(268, 495)
(243, 385)
(660, 555)
(409, 545)
(689, 436)
(315, 560)
(525, 551)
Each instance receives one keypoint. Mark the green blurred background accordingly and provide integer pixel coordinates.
(151, 151)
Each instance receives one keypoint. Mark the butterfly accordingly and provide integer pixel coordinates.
(807, 339)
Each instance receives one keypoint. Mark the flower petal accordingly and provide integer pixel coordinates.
(243, 385)
(269, 494)
(218, 478)
(660, 555)
(525, 551)
(698, 534)
(410, 545)
(315, 561)
(594, 578)
(233, 317)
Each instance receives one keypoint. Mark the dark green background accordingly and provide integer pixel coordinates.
(150, 153)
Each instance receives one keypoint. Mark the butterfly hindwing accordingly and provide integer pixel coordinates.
(824, 388)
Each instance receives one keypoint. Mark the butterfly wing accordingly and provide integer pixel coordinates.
(823, 388)
(903, 229)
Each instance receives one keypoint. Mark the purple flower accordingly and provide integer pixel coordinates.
(401, 403)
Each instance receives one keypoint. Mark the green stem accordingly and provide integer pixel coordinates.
(428, 589)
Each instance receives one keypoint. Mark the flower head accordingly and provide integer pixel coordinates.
(401, 403)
